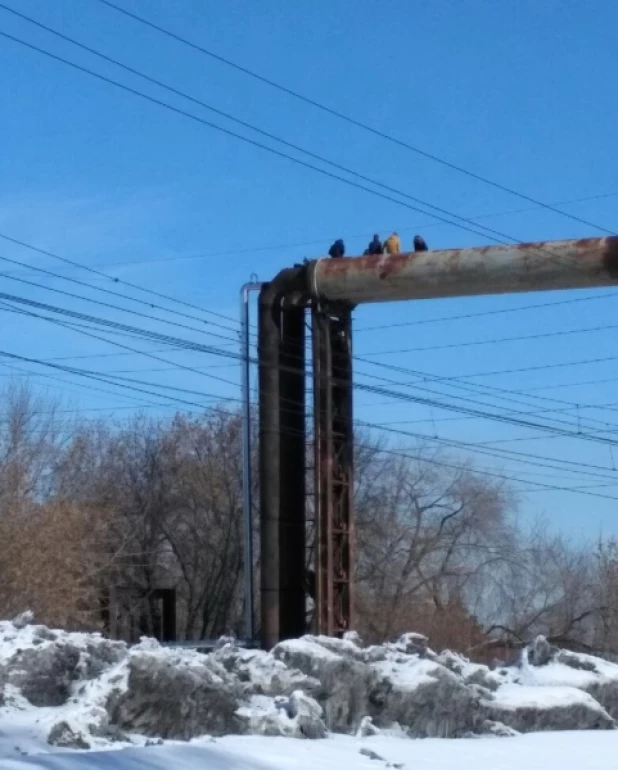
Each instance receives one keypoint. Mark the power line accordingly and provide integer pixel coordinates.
(133, 382)
(502, 393)
(278, 153)
(522, 457)
(177, 342)
(535, 368)
(99, 302)
(347, 119)
(105, 378)
(236, 357)
(500, 311)
(479, 413)
(574, 384)
(121, 281)
(440, 420)
(95, 376)
(82, 385)
(496, 340)
(382, 391)
(415, 386)
(228, 116)
(328, 239)
(493, 474)
(134, 350)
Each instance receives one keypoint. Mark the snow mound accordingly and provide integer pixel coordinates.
(82, 691)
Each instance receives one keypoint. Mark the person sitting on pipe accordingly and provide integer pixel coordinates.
(375, 246)
(392, 244)
(419, 243)
(337, 250)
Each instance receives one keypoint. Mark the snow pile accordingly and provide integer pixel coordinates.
(82, 691)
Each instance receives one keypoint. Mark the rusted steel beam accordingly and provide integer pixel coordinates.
(334, 552)
(543, 266)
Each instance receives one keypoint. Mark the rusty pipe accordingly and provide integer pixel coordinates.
(543, 266)
(272, 534)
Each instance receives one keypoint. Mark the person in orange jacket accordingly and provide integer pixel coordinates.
(392, 244)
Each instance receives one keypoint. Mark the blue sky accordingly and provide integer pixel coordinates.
(517, 92)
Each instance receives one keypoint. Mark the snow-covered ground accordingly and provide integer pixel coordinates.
(545, 751)
(79, 701)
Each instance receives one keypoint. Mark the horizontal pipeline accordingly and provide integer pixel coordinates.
(542, 266)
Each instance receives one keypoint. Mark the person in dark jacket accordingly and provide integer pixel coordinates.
(375, 246)
(419, 243)
(337, 250)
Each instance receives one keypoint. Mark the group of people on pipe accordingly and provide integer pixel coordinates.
(392, 245)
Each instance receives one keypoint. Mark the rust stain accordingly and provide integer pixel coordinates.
(347, 265)
(610, 256)
(393, 263)
(452, 261)
(586, 244)
(384, 265)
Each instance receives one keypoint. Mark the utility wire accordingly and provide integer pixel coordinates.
(238, 121)
(103, 304)
(81, 266)
(101, 378)
(479, 413)
(328, 239)
(60, 379)
(134, 382)
(143, 333)
(237, 357)
(131, 383)
(136, 351)
(368, 388)
(535, 368)
(522, 457)
(495, 340)
(493, 474)
(273, 151)
(487, 390)
(499, 311)
(348, 119)
(574, 384)
(106, 304)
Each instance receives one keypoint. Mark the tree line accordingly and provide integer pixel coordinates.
(90, 507)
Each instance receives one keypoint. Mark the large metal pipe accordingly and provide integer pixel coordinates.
(271, 543)
(576, 264)
(247, 481)
(269, 321)
(293, 445)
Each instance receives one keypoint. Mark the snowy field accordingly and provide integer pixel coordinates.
(546, 751)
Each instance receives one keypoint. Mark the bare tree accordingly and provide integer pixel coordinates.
(424, 534)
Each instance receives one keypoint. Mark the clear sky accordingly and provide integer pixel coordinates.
(519, 92)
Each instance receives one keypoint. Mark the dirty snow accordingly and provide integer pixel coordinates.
(267, 710)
